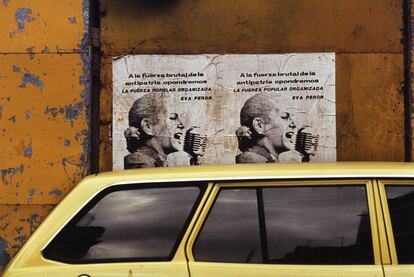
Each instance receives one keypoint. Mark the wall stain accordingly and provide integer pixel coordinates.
(22, 15)
(32, 79)
(30, 51)
(5, 3)
(66, 161)
(16, 68)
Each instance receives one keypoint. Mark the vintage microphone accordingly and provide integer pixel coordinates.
(195, 143)
(306, 142)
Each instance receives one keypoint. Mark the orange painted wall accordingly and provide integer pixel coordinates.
(366, 36)
(44, 111)
(45, 88)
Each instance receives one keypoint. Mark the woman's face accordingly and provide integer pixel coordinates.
(169, 131)
(280, 130)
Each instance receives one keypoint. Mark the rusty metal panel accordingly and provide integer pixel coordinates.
(105, 145)
(17, 223)
(43, 26)
(44, 134)
(245, 26)
(370, 107)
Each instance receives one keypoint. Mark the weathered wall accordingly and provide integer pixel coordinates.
(365, 34)
(44, 110)
(45, 82)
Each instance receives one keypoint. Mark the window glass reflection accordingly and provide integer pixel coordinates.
(231, 232)
(401, 206)
(139, 223)
(318, 225)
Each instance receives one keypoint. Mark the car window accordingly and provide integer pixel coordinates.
(318, 225)
(288, 225)
(401, 207)
(125, 224)
(231, 232)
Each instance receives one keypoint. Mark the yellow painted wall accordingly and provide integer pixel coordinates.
(44, 110)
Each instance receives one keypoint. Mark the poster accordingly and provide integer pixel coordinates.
(179, 110)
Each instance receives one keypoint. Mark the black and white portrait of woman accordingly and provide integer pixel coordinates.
(153, 133)
(268, 134)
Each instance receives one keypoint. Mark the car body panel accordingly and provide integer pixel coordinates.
(29, 261)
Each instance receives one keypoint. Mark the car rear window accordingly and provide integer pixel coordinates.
(288, 225)
(401, 206)
(126, 224)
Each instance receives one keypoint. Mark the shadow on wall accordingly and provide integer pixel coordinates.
(151, 6)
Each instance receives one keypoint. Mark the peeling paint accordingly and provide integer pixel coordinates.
(28, 151)
(31, 192)
(18, 230)
(72, 111)
(1, 110)
(46, 50)
(52, 111)
(22, 15)
(16, 68)
(20, 239)
(28, 114)
(30, 51)
(4, 173)
(33, 79)
(66, 142)
(12, 119)
(85, 81)
(33, 222)
(55, 192)
(10, 172)
(69, 112)
(72, 20)
(85, 14)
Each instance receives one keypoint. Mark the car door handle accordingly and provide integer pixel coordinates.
(84, 275)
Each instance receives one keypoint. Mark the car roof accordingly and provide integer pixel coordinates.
(258, 172)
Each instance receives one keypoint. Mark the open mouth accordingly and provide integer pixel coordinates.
(289, 135)
(178, 137)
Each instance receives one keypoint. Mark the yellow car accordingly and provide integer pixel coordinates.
(338, 219)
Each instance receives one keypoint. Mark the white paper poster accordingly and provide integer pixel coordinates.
(179, 110)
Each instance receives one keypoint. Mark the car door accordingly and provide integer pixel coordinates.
(287, 228)
(397, 200)
(124, 231)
